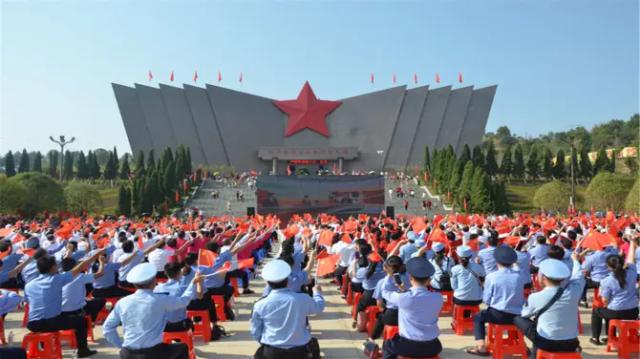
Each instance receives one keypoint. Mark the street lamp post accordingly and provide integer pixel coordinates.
(380, 153)
(572, 145)
(62, 142)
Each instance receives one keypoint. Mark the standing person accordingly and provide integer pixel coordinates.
(503, 295)
(406, 205)
(466, 279)
(279, 320)
(554, 329)
(418, 311)
(45, 301)
(618, 292)
(143, 316)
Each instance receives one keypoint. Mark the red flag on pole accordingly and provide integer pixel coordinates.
(150, 75)
(372, 78)
(240, 78)
(177, 196)
(195, 77)
(460, 80)
(464, 204)
(394, 78)
(219, 76)
(415, 78)
(437, 78)
(171, 76)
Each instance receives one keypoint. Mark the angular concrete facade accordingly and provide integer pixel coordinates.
(390, 128)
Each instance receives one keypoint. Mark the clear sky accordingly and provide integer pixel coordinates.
(557, 64)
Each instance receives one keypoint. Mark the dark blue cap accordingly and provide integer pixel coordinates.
(505, 255)
(419, 267)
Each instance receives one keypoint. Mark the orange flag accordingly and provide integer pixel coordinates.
(206, 258)
(327, 265)
(326, 237)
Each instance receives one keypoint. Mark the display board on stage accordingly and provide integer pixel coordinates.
(337, 195)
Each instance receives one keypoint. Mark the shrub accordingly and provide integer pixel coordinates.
(632, 203)
(608, 190)
(13, 196)
(82, 197)
(553, 195)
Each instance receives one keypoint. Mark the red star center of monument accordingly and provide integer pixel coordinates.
(307, 112)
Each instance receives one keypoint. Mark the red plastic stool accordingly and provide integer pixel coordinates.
(201, 327)
(447, 305)
(354, 309)
(349, 295)
(180, 337)
(500, 346)
(580, 328)
(460, 322)
(44, 345)
(372, 316)
(345, 285)
(559, 355)
(3, 340)
(218, 301)
(104, 312)
(234, 285)
(597, 300)
(527, 293)
(390, 331)
(25, 317)
(625, 340)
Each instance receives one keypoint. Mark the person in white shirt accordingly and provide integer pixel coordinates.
(159, 257)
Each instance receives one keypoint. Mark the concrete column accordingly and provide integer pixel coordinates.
(274, 166)
(340, 165)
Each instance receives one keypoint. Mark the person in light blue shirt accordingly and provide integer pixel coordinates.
(9, 300)
(396, 277)
(106, 285)
(503, 295)
(415, 242)
(486, 255)
(441, 280)
(143, 316)
(297, 279)
(555, 329)
(9, 262)
(371, 275)
(74, 294)
(418, 311)
(45, 301)
(538, 253)
(595, 268)
(523, 265)
(279, 320)
(618, 291)
(177, 320)
(467, 278)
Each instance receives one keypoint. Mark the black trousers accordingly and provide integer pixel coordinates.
(388, 317)
(180, 326)
(598, 314)
(589, 285)
(528, 328)
(61, 322)
(410, 348)
(466, 302)
(164, 351)
(340, 271)
(227, 292)
(12, 353)
(204, 304)
(356, 287)
(110, 292)
(239, 273)
(366, 300)
(92, 308)
(489, 315)
(269, 352)
(12, 283)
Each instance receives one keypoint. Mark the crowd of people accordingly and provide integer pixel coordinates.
(528, 271)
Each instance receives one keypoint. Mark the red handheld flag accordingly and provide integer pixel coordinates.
(437, 78)
(415, 78)
(371, 78)
(150, 75)
(460, 80)
(394, 78)
(219, 76)
(171, 77)
(327, 265)
(195, 77)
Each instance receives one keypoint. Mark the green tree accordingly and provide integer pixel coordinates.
(67, 172)
(608, 191)
(169, 180)
(116, 159)
(499, 198)
(13, 196)
(491, 165)
(427, 159)
(464, 189)
(82, 197)
(632, 202)
(136, 198)
(140, 164)
(124, 201)
(506, 165)
(81, 166)
(456, 176)
(611, 167)
(602, 161)
(559, 170)
(124, 168)
(518, 165)
(480, 191)
(93, 167)
(151, 161)
(466, 153)
(146, 203)
(189, 169)
(574, 162)
(23, 166)
(9, 165)
(37, 162)
(554, 195)
(478, 157)
(533, 164)
(632, 165)
(53, 163)
(586, 169)
(110, 169)
(547, 164)
(43, 193)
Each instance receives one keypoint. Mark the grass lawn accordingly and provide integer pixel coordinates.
(520, 196)
(109, 198)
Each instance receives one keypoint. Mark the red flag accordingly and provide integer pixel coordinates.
(415, 78)
(327, 265)
(219, 76)
(177, 196)
(437, 78)
(171, 76)
(372, 78)
(394, 78)
(464, 204)
(150, 75)
(195, 77)
(240, 78)
(460, 80)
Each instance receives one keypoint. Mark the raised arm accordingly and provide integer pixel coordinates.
(154, 246)
(14, 272)
(100, 272)
(82, 266)
(396, 250)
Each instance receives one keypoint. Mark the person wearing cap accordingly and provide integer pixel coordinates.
(45, 301)
(486, 256)
(396, 273)
(595, 267)
(415, 241)
(539, 252)
(441, 280)
(467, 278)
(279, 320)
(503, 295)
(177, 320)
(555, 330)
(418, 311)
(144, 315)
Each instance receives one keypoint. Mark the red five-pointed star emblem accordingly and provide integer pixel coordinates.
(307, 112)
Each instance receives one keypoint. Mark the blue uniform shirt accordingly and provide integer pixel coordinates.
(486, 259)
(558, 322)
(445, 266)
(295, 281)
(279, 319)
(504, 291)
(125, 269)
(74, 293)
(8, 301)
(418, 311)
(387, 284)
(108, 278)
(45, 295)
(370, 283)
(215, 281)
(9, 262)
(620, 298)
(523, 266)
(596, 265)
(143, 315)
(465, 285)
(173, 288)
(30, 271)
(539, 253)
(406, 251)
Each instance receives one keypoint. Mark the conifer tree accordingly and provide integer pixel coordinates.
(602, 161)
(586, 168)
(37, 162)
(491, 165)
(518, 165)
(151, 161)
(9, 165)
(427, 160)
(506, 165)
(464, 190)
(23, 166)
(67, 166)
(533, 166)
(140, 170)
(124, 204)
(480, 192)
(559, 170)
(110, 169)
(124, 168)
(53, 164)
(478, 157)
(81, 166)
(466, 153)
(547, 164)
